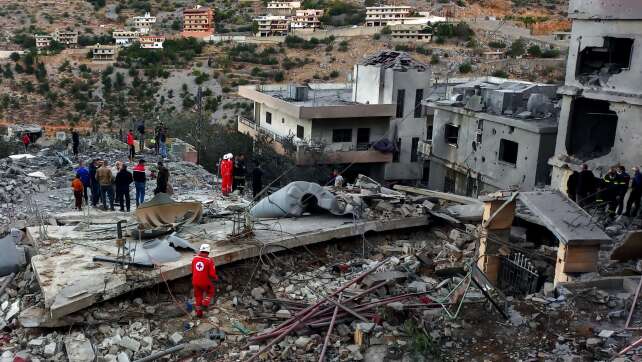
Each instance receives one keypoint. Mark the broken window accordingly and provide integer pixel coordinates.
(480, 130)
(401, 97)
(342, 135)
(413, 149)
(591, 130)
(508, 151)
(451, 134)
(300, 132)
(363, 139)
(396, 154)
(614, 56)
(268, 117)
(419, 95)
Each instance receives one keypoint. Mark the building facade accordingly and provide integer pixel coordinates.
(491, 134)
(198, 22)
(104, 53)
(67, 37)
(382, 15)
(42, 41)
(410, 33)
(125, 38)
(307, 19)
(602, 93)
(380, 110)
(272, 25)
(285, 8)
(151, 42)
(143, 24)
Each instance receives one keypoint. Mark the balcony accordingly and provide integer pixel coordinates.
(313, 155)
(252, 129)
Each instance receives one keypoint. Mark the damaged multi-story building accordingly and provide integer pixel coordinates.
(380, 104)
(601, 103)
(490, 134)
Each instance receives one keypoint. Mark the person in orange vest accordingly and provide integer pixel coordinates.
(227, 173)
(78, 188)
(26, 141)
(203, 271)
(130, 145)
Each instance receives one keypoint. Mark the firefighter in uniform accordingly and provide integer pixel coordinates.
(203, 271)
(609, 193)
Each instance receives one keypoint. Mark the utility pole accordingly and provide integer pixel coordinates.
(199, 131)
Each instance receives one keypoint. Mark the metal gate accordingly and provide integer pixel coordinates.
(518, 276)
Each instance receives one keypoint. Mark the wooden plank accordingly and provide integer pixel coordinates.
(440, 195)
(70, 281)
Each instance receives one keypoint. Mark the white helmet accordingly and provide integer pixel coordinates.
(205, 248)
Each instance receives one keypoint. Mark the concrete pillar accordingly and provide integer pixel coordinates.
(497, 220)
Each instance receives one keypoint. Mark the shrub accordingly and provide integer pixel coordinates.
(386, 30)
(434, 59)
(534, 51)
(550, 53)
(517, 48)
(334, 74)
(497, 44)
(402, 47)
(425, 51)
(500, 73)
(465, 68)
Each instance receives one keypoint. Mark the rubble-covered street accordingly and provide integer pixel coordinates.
(394, 274)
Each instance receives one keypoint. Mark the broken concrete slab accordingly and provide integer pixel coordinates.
(163, 210)
(70, 281)
(79, 349)
(379, 277)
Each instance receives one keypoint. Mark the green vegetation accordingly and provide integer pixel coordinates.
(343, 46)
(386, 30)
(97, 3)
(451, 30)
(500, 73)
(434, 59)
(420, 344)
(175, 52)
(338, 12)
(248, 53)
(290, 63)
(422, 50)
(497, 44)
(517, 48)
(293, 41)
(87, 40)
(534, 51)
(402, 47)
(465, 68)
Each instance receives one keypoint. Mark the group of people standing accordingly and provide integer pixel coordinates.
(608, 192)
(113, 184)
(233, 172)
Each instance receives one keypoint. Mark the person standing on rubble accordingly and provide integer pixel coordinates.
(105, 179)
(162, 146)
(227, 170)
(635, 195)
(141, 135)
(85, 178)
(240, 172)
(93, 183)
(203, 271)
(609, 192)
(123, 180)
(157, 138)
(585, 186)
(140, 179)
(26, 141)
(162, 180)
(257, 180)
(75, 142)
(623, 179)
(77, 187)
(130, 145)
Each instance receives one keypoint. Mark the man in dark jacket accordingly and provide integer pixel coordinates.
(123, 180)
(240, 172)
(93, 183)
(610, 190)
(162, 179)
(257, 180)
(623, 179)
(635, 195)
(586, 186)
(75, 142)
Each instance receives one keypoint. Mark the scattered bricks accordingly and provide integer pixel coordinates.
(50, 349)
(129, 343)
(176, 338)
(79, 349)
(376, 278)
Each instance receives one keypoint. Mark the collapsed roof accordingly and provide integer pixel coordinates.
(393, 59)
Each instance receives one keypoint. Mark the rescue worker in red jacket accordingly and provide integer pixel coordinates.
(227, 173)
(130, 145)
(202, 270)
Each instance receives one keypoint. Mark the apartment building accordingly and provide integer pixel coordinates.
(306, 19)
(285, 8)
(410, 33)
(369, 121)
(104, 53)
(601, 97)
(491, 134)
(151, 41)
(125, 38)
(272, 25)
(143, 24)
(382, 15)
(198, 22)
(42, 41)
(67, 37)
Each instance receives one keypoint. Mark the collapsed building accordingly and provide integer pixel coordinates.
(601, 97)
(375, 121)
(490, 134)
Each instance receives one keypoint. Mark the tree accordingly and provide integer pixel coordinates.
(534, 51)
(517, 48)
(465, 68)
(386, 30)
(15, 57)
(255, 27)
(500, 73)
(434, 59)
